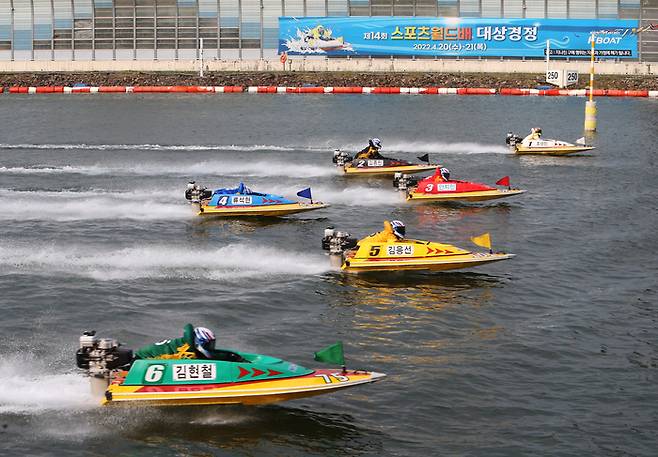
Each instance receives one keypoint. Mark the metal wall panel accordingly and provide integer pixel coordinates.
(146, 29)
(557, 8)
(491, 8)
(272, 9)
(513, 8)
(583, 9)
(469, 8)
(536, 8)
(337, 8)
(316, 8)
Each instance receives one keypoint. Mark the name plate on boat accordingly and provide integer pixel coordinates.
(375, 163)
(399, 249)
(241, 200)
(441, 187)
(194, 372)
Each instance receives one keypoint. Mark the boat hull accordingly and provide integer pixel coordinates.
(370, 171)
(260, 392)
(260, 210)
(552, 151)
(474, 196)
(438, 263)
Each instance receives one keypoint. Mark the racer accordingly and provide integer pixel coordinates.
(371, 151)
(535, 134)
(393, 231)
(196, 343)
(320, 33)
(442, 174)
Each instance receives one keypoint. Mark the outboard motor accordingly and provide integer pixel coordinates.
(512, 139)
(100, 356)
(404, 182)
(195, 193)
(337, 242)
(341, 158)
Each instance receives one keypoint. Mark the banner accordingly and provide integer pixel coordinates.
(462, 37)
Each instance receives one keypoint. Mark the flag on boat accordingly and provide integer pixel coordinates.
(424, 158)
(483, 240)
(580, 140)
(306, 193)
(331, 354)
(504, 181)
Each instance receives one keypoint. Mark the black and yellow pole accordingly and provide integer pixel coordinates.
(590, 105)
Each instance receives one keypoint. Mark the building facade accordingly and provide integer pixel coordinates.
(245, 29)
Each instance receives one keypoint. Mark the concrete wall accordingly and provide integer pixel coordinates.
(354, 65)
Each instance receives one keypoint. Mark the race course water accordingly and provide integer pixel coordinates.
(554, 352)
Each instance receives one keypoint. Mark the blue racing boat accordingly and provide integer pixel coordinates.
(242, 201)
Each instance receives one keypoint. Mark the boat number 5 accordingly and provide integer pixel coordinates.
(374, 250)
(154, 373)
(327, 378)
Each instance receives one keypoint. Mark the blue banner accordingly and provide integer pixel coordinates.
(463, 37)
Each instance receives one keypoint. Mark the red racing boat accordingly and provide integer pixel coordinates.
(437, 188)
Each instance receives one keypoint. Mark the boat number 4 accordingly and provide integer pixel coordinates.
(327, 378)
(154, 373)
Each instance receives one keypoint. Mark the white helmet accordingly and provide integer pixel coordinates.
(445, 173)
(399, 229)
(376, 142)
(204, 341)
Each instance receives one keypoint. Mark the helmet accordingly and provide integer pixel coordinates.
(445, 173)
(399, 228)
(375, 142)
(204, 341)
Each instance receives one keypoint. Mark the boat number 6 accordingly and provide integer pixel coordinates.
(154, 373)
(327, 378)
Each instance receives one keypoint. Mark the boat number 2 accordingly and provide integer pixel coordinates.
(222, 201)
(327, 378)
(154, 373)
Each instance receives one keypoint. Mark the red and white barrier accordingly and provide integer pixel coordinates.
(330, 90)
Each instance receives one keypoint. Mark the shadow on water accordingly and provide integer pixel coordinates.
(241, 225)
(423, 291)
(239, 427)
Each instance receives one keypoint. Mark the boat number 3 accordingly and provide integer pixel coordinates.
(374, 250)
(327, 378)
(222, 201)
(154, 373)
(429, 187)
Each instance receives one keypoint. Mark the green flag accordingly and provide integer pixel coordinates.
(331, 354)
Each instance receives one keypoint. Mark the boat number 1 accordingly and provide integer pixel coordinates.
(327, 378)
(154, 373)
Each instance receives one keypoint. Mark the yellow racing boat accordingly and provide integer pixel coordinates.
(544, 146)
(404, 254)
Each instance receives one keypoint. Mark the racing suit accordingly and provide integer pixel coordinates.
(369, 152)
(176, 348)
(385, 236)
